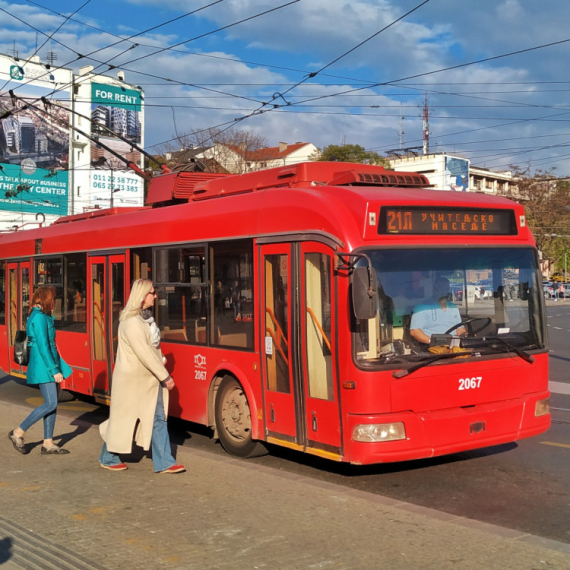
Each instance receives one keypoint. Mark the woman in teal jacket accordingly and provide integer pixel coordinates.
(46, 368)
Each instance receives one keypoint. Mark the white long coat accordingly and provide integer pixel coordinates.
(134, 389)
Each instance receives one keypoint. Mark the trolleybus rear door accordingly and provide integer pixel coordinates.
(276, 341)
(18, 295)
(322, 407)
(107, 301)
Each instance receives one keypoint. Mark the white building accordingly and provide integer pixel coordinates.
(454, 173)
(237, 159)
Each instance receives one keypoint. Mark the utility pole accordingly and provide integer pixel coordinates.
(402, 132)
(425, 124)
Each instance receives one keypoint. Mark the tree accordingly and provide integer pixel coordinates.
(546, 200)
(350, 153)
(233, 149)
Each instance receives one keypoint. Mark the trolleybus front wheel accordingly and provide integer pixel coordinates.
(64, 395)
(233, 420)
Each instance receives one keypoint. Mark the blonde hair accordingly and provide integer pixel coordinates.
(140, 289)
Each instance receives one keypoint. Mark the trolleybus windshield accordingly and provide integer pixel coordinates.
(495, 294)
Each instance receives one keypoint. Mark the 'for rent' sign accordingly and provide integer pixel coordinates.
(114, 96)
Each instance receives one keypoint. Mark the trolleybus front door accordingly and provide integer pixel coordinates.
(276, 338)
(317, 319)
(107, 301)
(18, 295)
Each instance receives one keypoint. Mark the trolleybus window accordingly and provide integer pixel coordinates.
(231, 266)
(496, 291)
(2, 293)
(141, 263)
(67, 274)
(182, 290)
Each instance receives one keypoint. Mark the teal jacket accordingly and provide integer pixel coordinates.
(45, 362)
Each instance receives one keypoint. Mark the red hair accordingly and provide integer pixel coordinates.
(44, 296)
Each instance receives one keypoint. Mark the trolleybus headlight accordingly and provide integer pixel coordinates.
(379, 432)
(541, 408)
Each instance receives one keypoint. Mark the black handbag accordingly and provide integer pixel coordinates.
(21, 349)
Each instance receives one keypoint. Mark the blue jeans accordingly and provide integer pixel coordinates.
(162, 457)
(47, 410)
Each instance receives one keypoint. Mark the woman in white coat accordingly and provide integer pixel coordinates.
(139, 391)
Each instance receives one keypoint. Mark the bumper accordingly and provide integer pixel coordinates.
(429, 434)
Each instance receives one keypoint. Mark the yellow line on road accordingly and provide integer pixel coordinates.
(555, 444)
(79, 406)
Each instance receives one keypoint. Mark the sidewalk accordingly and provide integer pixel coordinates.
(65, 512)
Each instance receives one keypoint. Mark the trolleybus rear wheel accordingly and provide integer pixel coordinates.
(233, 420)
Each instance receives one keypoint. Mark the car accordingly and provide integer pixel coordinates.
(548, 289)
(552, 290)
(482, 292)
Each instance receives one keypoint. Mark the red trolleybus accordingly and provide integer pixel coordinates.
(285, 299)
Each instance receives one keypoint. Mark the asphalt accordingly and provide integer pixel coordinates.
(65, 512)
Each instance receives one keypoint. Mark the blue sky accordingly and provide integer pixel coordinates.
(255, 74)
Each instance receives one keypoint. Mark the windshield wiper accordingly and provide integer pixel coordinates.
(524, 355)
(430, 360)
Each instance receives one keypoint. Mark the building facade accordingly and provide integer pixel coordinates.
(53, 159)
(456, 174)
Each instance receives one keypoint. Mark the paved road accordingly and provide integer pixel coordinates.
(66, 512)
(283, 511)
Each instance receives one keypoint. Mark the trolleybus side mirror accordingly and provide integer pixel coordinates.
(364, 292)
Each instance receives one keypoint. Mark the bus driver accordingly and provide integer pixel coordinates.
(436, 316)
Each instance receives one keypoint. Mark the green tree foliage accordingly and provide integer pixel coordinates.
(350, 153)
(546, 200)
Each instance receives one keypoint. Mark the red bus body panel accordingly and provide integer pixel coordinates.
(439, 418)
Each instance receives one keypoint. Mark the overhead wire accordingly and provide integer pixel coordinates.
(435, 71)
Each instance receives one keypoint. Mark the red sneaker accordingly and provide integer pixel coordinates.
(174, 469)
(118, 467)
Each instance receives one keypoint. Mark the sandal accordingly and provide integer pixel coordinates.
(55, 450)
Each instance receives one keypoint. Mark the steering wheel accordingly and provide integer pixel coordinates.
(468, 324)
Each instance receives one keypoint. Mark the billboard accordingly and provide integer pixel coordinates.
(115, 110)
(456, 174)
(34, 144)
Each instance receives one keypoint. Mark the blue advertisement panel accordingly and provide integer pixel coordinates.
(34, 144)
(43, 190)
(456, 174)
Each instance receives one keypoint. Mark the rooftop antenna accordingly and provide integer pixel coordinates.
(14, 52)
(51, 56)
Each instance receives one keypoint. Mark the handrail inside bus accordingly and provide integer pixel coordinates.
(316, 321)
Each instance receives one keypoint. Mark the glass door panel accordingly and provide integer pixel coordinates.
(276, 338)
(322, 414)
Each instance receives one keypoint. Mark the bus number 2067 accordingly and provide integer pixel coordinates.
(470, 383)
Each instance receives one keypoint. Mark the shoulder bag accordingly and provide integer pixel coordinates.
(21, 349)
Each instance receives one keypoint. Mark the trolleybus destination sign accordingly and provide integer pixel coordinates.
(442, 221)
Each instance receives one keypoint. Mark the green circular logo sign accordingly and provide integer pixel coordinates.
(16, 72)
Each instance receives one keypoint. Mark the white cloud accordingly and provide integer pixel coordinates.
(506, 98)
